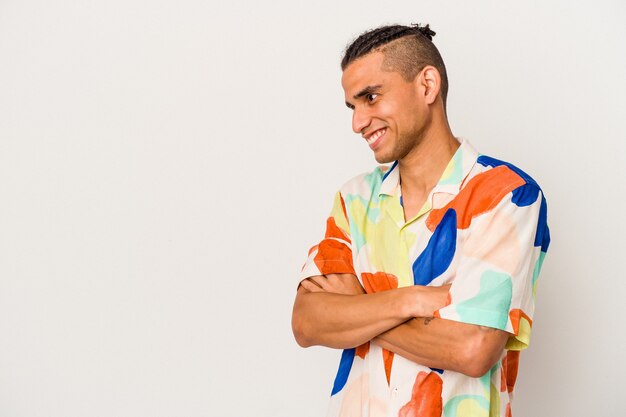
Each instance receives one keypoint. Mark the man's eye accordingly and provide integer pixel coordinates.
(371, 97)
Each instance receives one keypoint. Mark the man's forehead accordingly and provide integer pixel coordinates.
(363, 71)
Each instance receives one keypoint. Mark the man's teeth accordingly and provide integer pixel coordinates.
(375, 136)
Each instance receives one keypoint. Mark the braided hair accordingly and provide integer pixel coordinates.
(407, 50)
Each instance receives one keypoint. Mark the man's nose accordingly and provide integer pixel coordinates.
(360, 120)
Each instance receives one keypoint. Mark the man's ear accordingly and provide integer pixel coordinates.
(430, 81)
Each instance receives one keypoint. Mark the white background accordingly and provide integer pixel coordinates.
(165, 166)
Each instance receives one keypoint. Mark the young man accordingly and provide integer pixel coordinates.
(427, 273)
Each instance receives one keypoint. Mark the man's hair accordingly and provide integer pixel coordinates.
(407, 50)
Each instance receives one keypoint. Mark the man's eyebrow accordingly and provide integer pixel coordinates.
(367, 90)
(370, 89)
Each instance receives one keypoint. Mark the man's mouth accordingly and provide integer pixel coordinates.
(375, 136)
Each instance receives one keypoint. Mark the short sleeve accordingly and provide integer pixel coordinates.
(333, 255)
(500, 258)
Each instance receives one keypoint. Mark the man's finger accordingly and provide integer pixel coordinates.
(309, 285)
(321, 281)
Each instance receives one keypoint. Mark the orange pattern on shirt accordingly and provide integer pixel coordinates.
(333, 231)
(511, 367)
(362, 350)
(425, 398)
(334, 256)
(381, 281)
(481, 194)
(515, 315)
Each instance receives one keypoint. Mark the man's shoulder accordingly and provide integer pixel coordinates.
(500, 181)
(490, 174)
(366, 183)
(495, 183)
(487, 163)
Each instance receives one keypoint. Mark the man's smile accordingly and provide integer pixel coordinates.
(374, 138)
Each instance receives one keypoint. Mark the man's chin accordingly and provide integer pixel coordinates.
(383, 159)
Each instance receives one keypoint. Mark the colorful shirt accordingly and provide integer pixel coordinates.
(482, 229)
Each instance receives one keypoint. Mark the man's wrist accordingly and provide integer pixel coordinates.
(423, 301)
(412, 301)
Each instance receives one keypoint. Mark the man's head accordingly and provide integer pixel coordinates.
(395, 82)
(407, 50)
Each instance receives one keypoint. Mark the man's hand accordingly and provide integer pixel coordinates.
(432, 299)
(346, 284)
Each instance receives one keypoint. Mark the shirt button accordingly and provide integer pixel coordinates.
(394, 392)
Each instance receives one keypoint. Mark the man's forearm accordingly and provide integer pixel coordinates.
(446, 344)
(345, 321)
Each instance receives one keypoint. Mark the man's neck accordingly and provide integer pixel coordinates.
(422, 168)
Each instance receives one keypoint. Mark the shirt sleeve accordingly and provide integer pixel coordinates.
(333, 255)
(500, 257)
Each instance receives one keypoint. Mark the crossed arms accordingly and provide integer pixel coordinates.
(333, 310)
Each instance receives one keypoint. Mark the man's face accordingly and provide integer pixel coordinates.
(386, 108)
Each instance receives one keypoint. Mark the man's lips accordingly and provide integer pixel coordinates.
(375, 137)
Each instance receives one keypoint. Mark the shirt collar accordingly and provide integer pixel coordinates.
(452, 178)
(391, 179)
